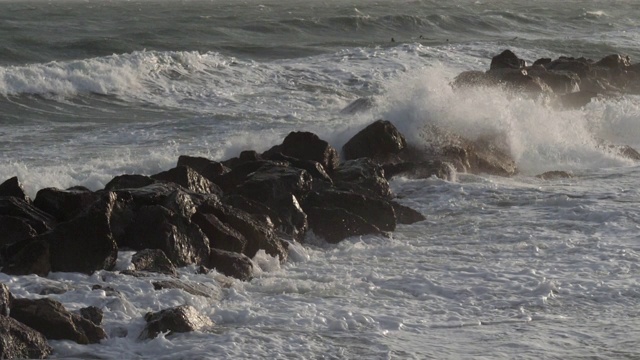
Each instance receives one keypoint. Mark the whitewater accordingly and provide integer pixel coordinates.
(501, 268)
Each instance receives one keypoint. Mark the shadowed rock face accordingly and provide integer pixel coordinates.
(153, 260)
(307, 146)
(376, 141)
(18, 341)
(13, 187)
(51, 319)
(5, 300)
(179, 319)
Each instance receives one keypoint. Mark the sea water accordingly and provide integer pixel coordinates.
(501, 268)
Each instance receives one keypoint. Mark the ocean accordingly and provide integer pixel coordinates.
(502, 268)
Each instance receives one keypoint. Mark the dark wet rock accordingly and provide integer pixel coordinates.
(614, 61)
(576, 100)
(205, 167)
(25, 257)
(259, 210)
(542, 62)
(229, 180)
(376, 211)
(14, 229)
(474, 78)
(555, 174)
(153, 260)
(50, 318)
(406, 215)
(307, 146)
(156, 227)
(231, 264)
(191, 288)
(421, 170)
(559, 82)
(507, 60)
(259, 235)
(220, 235)
(13, 187)
(5, 300)
(314, 168)
(39, 220)
(580, 66)
(189, 179)
(84, 244)
(128, 181)
(64, 204)
(520, 80)
(18, 341)
(625, 151)
(93, 314)
(175, 320)
(378, 141)
(336, 224)
(362, 176)
(359, 105)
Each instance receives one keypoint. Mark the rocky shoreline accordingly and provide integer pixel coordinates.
(219, 215)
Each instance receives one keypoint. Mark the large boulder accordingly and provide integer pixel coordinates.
(84, 244)
(50, 318)
(376, 211)
(156, 227)
(189, 179)
(39, 220)
(64, 204)
(15, 229)
(153, 260)
(259, 235)
(183, 318)
(25, 257)
(314, 168)
(18, 341)
(378, 141)
(93, 314)
(231, 264)
(363, 176)
(205, 167)
(507, 60)
(337, 224)
(474, 78)
(128, 181)
(307, 146)
(239, 173)
(13, 187)
(221, 236)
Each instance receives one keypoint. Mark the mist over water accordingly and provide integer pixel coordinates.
(501, 268)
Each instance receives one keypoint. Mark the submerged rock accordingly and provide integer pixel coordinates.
(231, 264)
(153, 260)
(179, 319)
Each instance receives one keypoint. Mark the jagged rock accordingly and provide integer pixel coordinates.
(520, 80)
(84, 244)
(26, 257)
(179, 319)
(507, 60)
(580, 67)
(64, 204)
(205, 167)
(189, 179)
(229, 180)
(191, 288)
(307, 146)
(5, 300)
(13, 187)
(375, 211)
(153, 260)
(625, 151)
(50, 318)
(559, 82)
(14, 229)
(220, 235)
(36, 218)
(614, 61)
(314, 168)
(93, 314)
(336, 224)
(555, 174)
(259, 235)
(156, 227)
(378, 141)
(362, 176)
(259, 210)
(474, 78)
(128, 181)
(18, 341)
(231, 264)
(406, 215)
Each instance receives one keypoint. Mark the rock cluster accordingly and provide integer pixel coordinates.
(572, 81)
